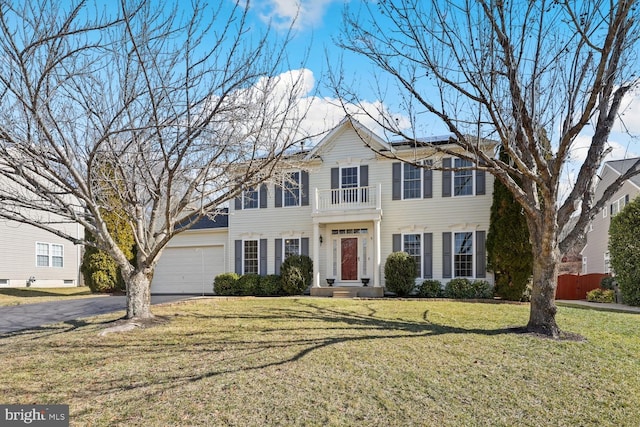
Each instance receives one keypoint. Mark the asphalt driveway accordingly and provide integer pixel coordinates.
(30, 316)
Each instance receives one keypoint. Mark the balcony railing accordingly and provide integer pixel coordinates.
(341, 199)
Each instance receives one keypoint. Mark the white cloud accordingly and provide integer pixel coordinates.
(629, 116)
(303, 13)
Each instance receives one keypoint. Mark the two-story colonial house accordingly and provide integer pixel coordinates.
(348, 208)
(595, 255)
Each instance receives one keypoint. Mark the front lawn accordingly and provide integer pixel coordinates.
(312, 361)
(16, 296)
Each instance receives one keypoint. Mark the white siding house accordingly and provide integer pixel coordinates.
(348, 208)
(595, 255)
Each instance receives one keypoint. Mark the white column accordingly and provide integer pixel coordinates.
(376, 253)
(316, 255)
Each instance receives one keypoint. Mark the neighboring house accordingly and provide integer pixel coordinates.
(30, 256)
(595, 255)
(347, 208)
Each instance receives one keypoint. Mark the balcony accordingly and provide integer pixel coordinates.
(343, 200)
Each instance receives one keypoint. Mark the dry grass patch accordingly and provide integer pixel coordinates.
(17, 296)
(307, 361)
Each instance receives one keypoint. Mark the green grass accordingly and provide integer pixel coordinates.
(317, 362)
(16, 296)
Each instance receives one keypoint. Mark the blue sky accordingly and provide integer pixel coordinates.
(318, 24)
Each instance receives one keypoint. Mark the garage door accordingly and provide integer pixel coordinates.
(188, 270)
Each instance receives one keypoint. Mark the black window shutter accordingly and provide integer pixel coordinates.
(427, 255)
(263, 196)
(427, 184)
(364, 182)
(263, 257)
(278, 195)
(481, 254)
(397, 242)
(364, 175)
(396, 181)
(446, 255)
(238, 204)
(335, 184)
(238, 254)
(480, 183)
(304, 177)
(335, 178)
(446, 177)
(304, 246)
(278, 254)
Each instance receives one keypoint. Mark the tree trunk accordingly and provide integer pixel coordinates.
(139, 295)
(542, 317)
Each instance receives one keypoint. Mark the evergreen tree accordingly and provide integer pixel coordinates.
(100, 271)
(509, 251)
(625, 251)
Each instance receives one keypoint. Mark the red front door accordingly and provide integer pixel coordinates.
(349, 250)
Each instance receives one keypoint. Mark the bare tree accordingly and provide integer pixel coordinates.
(532, 75)
(172, 99)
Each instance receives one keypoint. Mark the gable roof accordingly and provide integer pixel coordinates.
(365, 133)
(622, 166)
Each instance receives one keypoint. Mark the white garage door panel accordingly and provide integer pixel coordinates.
(188, 270)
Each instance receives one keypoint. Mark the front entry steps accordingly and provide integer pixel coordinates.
(348, 291)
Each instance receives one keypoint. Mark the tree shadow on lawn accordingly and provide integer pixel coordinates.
(39, 332)
(353, 327)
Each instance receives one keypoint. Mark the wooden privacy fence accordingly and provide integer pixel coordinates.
(572, 286)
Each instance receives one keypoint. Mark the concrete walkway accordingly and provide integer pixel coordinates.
(598, 306)
(31, 316)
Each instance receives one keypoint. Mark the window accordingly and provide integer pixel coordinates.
(49, 255)
(290, 247)
(291, 187)
(463, 254)
(411, 181)
(411, 245)
(462, 180)
(250, 257)
(607, 263)
(349, 184)
(618, 205)
(56, 256)
(584, 265)
(250, 198)
(42, 254)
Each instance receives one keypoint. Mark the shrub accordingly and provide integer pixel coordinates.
(607, 282)
(270, 285)
(296, 273)
(226, 284)
(400, 273)
(482, 289)
(100, 272)
(430, 289)
(248, 284)
(461, 288)
(625, 251)
(601, 295)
